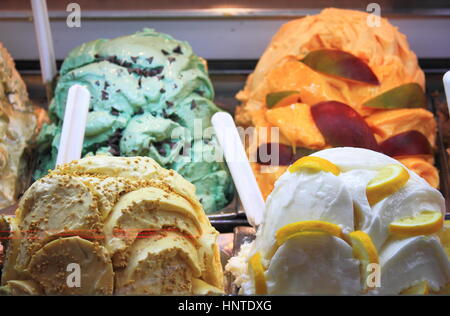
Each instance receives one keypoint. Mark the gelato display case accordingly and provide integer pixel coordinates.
(342, 116)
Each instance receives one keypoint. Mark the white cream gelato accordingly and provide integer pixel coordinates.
(406, 262)
(324, 264)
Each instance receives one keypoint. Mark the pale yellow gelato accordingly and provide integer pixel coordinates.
(19, 122)
(132, 226)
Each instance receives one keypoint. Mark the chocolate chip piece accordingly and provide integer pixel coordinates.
(104, 95)
(162, 90)
(106, 85)
(175, 86)
(169, 104)
(156, 71)
(97, 83)
(113, 59)
(134, 59)
(150, 60)
(160, 147)
(140, 83)
(96, 56)
(161, 77)
(177, 50)
(172, 59)
(164, 52)
(199, 92)
(193, 104)
(162, 151)
(140, 111)
(114, 112)
(118, 90)
(114, 141)
(126, 64)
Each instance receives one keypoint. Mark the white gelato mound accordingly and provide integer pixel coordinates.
(325, 264)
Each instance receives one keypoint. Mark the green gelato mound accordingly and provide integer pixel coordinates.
(150, 96)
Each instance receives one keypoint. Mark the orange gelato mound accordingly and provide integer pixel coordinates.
(383, 49)
(423, 168)
(392, 122)
(296, 123)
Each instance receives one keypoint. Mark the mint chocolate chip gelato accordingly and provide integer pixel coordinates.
(150, 96)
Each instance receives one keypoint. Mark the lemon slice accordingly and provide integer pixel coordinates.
(365, 251)
(389, 180)
(444, 236)
(294, 229)
(258, 274)
(424, 223)
(314, 163)
(420, 288)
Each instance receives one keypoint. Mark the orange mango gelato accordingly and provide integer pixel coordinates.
(296, 123)
(383, 49)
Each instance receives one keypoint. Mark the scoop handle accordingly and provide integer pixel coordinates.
(446, 80)
(74, 125)
(45, 44)
(237, 161)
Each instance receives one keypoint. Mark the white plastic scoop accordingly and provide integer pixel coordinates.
(239, 166)
(447, 88)
(74, 125)
(45, 44)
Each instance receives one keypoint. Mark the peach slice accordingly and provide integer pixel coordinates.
(274, 154)
(409, 95)
(340, 64)
(406, 144)
(388, 123)
(342, 126)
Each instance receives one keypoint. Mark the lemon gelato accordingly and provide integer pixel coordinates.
(346, 221)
